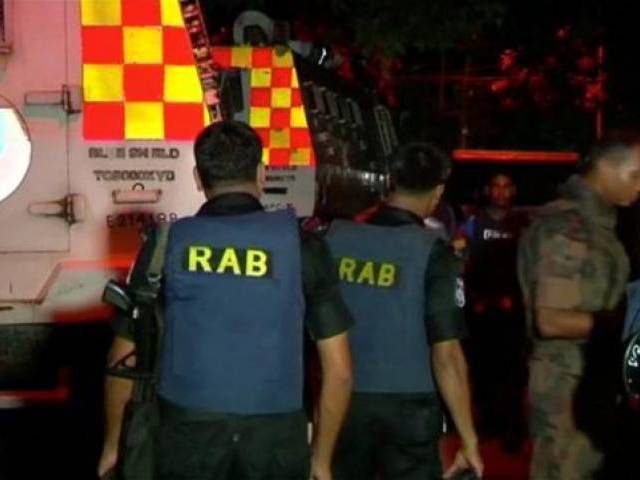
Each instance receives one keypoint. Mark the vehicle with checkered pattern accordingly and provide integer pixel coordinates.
(99, 103)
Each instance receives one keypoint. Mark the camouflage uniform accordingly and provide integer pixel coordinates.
(569, 259)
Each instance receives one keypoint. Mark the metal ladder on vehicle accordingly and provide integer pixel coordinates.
(208, 71)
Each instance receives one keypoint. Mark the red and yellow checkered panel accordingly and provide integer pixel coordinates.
(276, 110)
(139, 76)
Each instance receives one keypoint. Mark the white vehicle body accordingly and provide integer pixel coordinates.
(70, 219)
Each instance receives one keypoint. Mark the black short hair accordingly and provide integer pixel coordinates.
(419, 167)
(227, 152)
(616, 142)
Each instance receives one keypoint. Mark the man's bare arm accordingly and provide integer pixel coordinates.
(557, 323)
(450, 369)
(117, 394)
(335, 360)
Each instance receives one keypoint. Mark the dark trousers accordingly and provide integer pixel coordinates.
(497, 352)
(390, 437)
(232, 447)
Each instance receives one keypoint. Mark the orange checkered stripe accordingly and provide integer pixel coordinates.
(139, 77)
(276, 110)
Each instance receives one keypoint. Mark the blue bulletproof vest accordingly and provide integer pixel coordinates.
(234, 313)
(382, 272)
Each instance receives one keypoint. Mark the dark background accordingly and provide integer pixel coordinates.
(445, 57)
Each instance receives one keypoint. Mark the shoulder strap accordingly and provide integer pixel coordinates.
(148, 326)
(154, 277)
(154, 272)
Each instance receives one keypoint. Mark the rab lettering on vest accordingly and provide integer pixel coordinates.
(368, 272)
(250, 262)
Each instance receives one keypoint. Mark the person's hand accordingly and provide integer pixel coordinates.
(108, 460)
(320, 470)
(467, 458)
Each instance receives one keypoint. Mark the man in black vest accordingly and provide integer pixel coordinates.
(401, 284)
(238, 286)
(497, 333)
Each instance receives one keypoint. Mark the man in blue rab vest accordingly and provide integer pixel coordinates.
(239, 286)
(400, 282)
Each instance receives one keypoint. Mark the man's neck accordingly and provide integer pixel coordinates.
(593, 181)
(414, 203)
(497, 213)
(248, 188)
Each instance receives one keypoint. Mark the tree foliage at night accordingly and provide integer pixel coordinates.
(395, 26)
(451, 50)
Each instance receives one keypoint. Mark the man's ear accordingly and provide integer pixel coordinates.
(198, 180)
(261, 177)
(439, 192)
(433, 198)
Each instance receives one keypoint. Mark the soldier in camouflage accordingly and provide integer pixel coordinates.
(573, 270)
